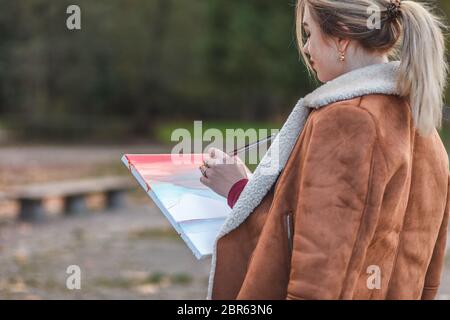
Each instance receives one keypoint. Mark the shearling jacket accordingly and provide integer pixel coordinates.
(349, 202)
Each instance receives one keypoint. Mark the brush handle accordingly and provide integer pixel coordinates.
(251, 145)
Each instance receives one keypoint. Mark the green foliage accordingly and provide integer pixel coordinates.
(136, 64)
(146, 62)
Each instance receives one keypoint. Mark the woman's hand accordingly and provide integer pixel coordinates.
(223, 171)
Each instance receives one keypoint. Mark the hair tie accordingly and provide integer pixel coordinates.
(394, 9)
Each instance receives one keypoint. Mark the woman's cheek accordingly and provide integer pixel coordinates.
(317, 59)
(327, 65)
(313, 55)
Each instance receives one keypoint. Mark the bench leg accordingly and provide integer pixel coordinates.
(31, 210)
(115, 199)
(75, 205)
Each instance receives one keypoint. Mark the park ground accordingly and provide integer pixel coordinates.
(131, 253)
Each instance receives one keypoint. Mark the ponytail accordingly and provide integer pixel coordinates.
(423, 68)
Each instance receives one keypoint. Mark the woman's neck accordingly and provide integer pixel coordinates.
(365, 61)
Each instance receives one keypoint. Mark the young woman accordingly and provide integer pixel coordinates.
(359, 205)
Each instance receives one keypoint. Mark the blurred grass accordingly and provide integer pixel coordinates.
(164, 131)
(445, 135)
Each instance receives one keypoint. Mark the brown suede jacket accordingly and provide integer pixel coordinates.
(358, 208)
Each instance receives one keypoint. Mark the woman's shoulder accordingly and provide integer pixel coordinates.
(379, 118)
(380, 112)
(340, 115)
(345, 124)
(382, 119)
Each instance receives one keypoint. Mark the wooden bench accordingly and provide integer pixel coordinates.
(74, 193)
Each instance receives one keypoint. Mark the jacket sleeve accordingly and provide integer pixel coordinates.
(235, 192)
(334, 187)
(434, 271)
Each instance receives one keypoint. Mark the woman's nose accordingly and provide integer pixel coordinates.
(306, 48)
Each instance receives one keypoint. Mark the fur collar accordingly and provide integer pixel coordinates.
(373, 79)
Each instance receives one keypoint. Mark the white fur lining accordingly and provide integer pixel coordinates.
(374, 79)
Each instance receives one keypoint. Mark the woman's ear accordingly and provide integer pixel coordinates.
(342, 43)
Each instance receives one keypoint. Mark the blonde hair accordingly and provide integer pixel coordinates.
(414, 36)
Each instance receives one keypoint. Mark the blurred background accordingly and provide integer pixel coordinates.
(73, 101)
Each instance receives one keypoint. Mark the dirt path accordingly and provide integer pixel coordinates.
(33, 164)
(131, 254)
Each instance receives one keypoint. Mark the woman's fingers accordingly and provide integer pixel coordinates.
(206, 171)
(204, 180)
(212, 152)
(210, 163)
(202, 169)
(209, 172)
(219, 176)
(218, 155)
